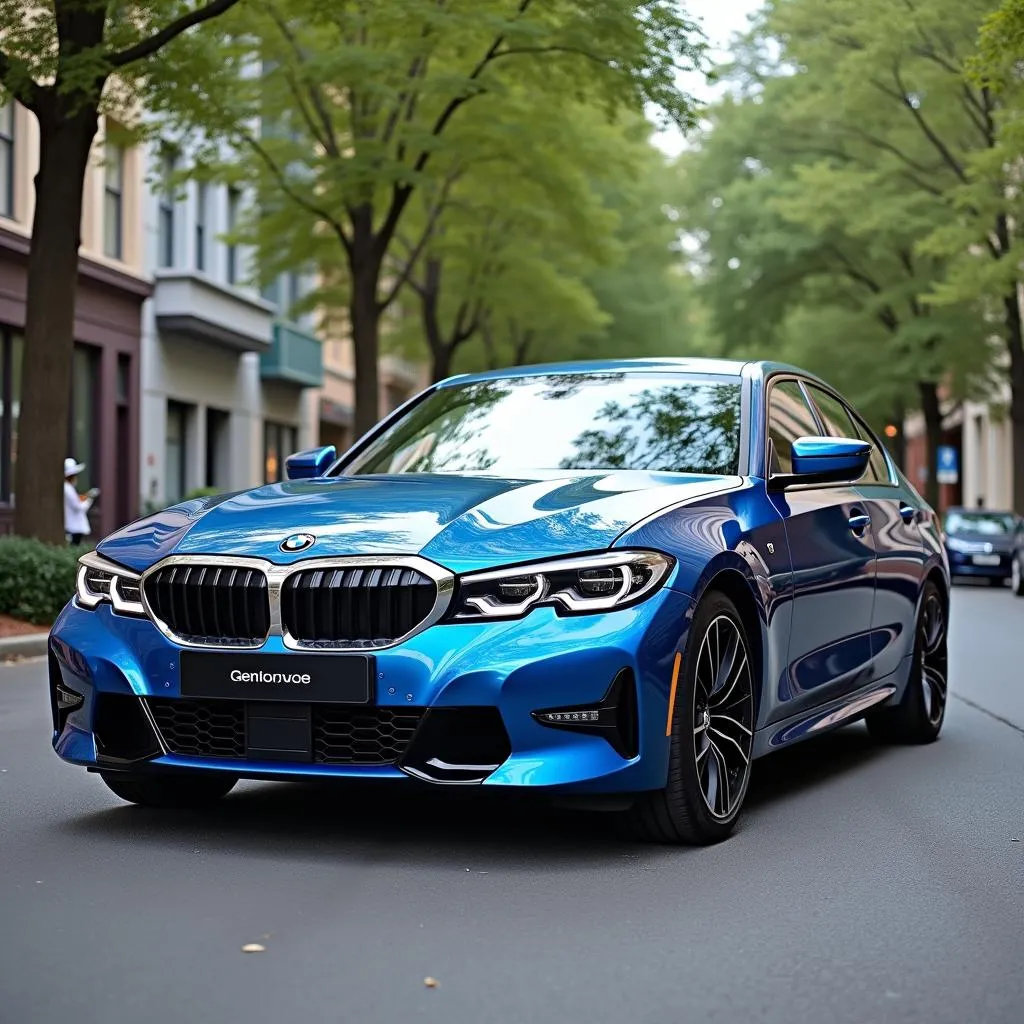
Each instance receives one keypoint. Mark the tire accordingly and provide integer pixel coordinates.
(193, 790)
(692, 809)
(1017, 576)
(920, 713)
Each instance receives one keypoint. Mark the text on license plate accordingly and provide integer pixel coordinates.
(985, 559)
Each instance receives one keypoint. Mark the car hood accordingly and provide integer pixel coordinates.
(996, 542)
(462, 522)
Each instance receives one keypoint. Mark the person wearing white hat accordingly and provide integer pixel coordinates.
(76, 506)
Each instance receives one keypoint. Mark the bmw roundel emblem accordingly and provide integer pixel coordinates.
(298, 542)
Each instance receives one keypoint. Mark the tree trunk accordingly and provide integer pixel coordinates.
(1015, 344)
(932, 411)
(64, 146)
(430, 313)
(364, 313)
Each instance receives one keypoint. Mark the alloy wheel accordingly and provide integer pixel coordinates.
(934, 657)
(723, 716)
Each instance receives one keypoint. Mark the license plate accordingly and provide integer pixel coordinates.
(985, 559)
(332, 678)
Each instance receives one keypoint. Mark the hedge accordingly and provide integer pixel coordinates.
(36, 579)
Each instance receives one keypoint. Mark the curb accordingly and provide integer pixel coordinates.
(30, 645)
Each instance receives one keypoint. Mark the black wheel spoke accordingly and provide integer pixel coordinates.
(723, 717)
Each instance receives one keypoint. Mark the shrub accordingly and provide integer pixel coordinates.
(36, 579)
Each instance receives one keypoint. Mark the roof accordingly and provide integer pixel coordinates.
(721, 367)
(727, 367)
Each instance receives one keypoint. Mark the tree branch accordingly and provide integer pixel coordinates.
(929, 133)
(401, 194)
(428, 231)
(147, 47)
(295, 197)
(28, 98)
(325, 135)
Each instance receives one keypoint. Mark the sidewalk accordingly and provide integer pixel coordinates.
(21, 639)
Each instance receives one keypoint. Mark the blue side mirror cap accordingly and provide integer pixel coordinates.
(825, 460)
(308, 464)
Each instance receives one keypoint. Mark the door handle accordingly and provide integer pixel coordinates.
(859, 522)
(908, 512)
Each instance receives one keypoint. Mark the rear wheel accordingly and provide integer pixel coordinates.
(171, 790)
(919, 715)
(712, 731)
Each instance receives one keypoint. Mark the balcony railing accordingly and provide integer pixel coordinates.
(295, 357)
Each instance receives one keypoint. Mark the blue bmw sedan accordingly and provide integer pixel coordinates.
(618, 583)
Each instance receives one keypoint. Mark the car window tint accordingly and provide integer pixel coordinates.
(789, 417)
(840, 423)
(668, 423)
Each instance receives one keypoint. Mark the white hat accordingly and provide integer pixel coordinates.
(72, 468)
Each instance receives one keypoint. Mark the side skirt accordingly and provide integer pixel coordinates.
(829, 716)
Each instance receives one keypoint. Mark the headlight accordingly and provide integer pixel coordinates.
(954, 544)
(574, 586)
(100, 580)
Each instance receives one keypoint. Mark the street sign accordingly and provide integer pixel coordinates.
(949, 465)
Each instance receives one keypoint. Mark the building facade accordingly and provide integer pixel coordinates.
(104, 399)
(226, 375)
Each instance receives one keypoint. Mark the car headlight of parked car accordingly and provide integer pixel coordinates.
(574, 586)
(99, 580)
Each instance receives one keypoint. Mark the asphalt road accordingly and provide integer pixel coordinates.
(864, 885)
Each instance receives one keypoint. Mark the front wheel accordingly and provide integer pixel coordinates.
(1016, 576)
(919, 715)
(192, 790)
(711, 735)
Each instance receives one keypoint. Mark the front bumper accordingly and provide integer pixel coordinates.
(455, 703)
(962, 564)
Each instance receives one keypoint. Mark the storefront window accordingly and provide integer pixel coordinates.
(279, 441)
(84, 413)
(11, 348)
(175, 452)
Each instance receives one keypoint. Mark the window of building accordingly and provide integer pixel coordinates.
(218, 449)
(789, 417)
(113, 201)
(168, 164)
(234, 207)
(11, 348)
(202, 202)
(7, 160)
(279, 441)
(176, 452)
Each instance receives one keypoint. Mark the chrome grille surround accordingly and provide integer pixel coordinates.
(444, 582)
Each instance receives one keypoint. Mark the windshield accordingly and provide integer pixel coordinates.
(992, 524)
(655, 422)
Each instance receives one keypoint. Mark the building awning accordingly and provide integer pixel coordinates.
(335, 412)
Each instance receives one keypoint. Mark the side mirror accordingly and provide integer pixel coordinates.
(312, 463)
(825, 460)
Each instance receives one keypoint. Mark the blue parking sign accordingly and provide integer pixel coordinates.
(948, 465)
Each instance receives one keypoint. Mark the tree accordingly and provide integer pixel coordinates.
(67, 62)
(364, 100)
(894, 78)
(812, 199)
(518, 219)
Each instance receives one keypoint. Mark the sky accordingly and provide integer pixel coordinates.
(720, 19)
